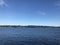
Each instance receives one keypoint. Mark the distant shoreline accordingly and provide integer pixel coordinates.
(28, 26)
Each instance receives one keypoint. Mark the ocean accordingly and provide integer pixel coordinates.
(29, 36)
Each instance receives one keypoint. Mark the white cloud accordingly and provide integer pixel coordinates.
(57, 3)
(3, 3)
(41, 13)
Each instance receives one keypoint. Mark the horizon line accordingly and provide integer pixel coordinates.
(28, 25)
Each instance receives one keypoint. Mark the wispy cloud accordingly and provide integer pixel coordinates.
(41, 13)
(57, 3)
(3, 3)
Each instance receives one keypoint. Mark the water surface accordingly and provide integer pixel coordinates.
(29, 36)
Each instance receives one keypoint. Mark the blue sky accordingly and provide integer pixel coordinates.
(30, 12)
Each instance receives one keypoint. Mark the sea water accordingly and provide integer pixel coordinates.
(29, 36)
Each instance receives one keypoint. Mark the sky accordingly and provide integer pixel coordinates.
(30, 12)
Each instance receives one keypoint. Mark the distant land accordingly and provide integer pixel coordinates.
(28, 26)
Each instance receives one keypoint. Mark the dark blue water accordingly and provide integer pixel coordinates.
(29, 36)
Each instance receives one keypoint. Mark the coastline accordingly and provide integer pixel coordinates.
(28, 26)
